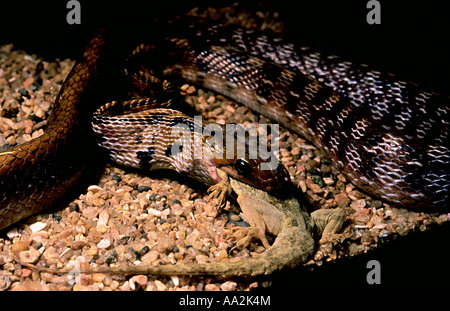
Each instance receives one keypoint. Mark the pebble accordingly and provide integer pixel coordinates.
(362, 216)
(142, 280)
(39, 236)
(192, 237)
(384, 234)
(26, 272)
(5, 282)
(228, 286)
(90, 212)
(222, 254)
(235, 217)
(104, 243)
(342, 199)
(150, 257)
(328, 181)
(116, 177)
(12, 233)
(74, 207)
(154, 212)
(110, 256)
(30, 256)
(190, 90)
(92, 251)
(358, 204)
(144, 251)
(211, 209)
(316, 189)
(175, 280)
(114, 285)
(376, 204)
(144, 188)
(19, 246)
(356, 195)
(160, 286)
(94, 188)
(302, 185)
(165, 244)
(76, 245)
(51, 255)
(102, 223)
(37, 226)
(211, 287)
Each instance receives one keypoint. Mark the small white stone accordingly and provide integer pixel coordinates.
(175, 280)
(328, 181)
(103, 218)
(37, 226)
(94, 188)
(142, 280)
(154, 212)
(166, 212)
(380, 226)
(192, 216)
(142, 216)
(12, 233)
(104, 243)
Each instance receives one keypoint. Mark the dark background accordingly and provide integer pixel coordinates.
(412, 42)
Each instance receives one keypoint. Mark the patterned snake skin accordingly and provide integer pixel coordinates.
(389, 137)
(36, 174)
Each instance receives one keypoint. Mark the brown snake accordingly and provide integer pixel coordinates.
(377, 156)
(33, 175)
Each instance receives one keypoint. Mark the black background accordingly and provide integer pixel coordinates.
(411, 42)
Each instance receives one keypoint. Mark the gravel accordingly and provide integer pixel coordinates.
(132, 218)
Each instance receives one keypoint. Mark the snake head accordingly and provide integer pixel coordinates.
(241, 158)
(139, 135)
(249, 171)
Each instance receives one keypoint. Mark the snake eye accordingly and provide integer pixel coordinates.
(242, 167)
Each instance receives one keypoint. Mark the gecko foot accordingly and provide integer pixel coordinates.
(245, 235)
(333, 238)
(220, 191)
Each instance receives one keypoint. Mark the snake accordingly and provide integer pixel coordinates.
(387, 136)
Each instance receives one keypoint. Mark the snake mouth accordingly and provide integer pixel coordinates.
(269, 181)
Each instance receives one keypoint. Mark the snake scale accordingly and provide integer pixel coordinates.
(388, 136)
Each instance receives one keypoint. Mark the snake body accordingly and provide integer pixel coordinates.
(387, 136)
(390, 137)
(36, 174)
